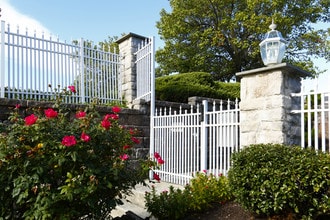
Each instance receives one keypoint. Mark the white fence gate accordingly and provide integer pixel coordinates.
(145, 70)
(195, 140)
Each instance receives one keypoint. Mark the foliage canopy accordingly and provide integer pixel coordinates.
(222, 36)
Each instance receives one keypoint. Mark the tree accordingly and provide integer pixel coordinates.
(222, 36)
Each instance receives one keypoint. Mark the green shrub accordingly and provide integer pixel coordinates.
(172, 204)
(280, 180)
(202, 193)
(197, 78)
(55, 166)
(178, 88)
(207, 189)
(227, 90)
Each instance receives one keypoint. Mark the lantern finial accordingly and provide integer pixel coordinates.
(273, 25)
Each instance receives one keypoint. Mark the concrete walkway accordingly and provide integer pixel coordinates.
(134, 205)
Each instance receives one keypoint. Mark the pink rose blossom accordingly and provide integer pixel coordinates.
(156, 155)
(131, 131)
(85, 137)
(30, 120)
(51, 113)
(69, 141)
(124, 157)
(116, 109)
(72, 89)
(126, 147)
(160, 161)
(80, 114)
(156, 177)
(111, 116)
(106, 124)
(135, 140)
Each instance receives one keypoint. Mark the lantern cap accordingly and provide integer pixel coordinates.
(274, 33)
(272, 48)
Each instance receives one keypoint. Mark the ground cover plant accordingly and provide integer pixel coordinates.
(204, 191)
(277, 180)
(59, 165)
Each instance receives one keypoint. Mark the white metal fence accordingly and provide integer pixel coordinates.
(34, 67)
(145, 70)
(315, 115)
(195, 140)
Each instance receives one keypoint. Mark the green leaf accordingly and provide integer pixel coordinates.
(16, 191)
(69, 175)
(74, 156)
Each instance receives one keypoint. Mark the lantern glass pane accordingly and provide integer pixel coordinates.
(272, 34)
(272, 51)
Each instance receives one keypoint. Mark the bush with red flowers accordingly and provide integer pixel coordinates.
(53, 166)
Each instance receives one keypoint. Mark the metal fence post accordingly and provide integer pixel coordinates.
(204, 137)
(82, 71)
(152, 103)
(2, 64)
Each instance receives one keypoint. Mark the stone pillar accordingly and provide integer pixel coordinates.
(128, 45)
(266, 105)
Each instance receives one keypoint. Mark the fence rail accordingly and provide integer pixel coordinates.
(37, 68)
(195, 140)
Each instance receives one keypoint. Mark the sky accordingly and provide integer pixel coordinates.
(92, 20)
(96, 20)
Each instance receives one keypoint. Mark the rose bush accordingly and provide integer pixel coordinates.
(55, 166)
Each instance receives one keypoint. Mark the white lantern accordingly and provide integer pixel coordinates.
(272, 48)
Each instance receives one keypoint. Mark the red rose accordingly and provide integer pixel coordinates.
(106, 124)
(124, 157)
(135, 140)
(69, 141)
(80, 114)
(116, 109)
(126, 147)
(132, 131)
(156, 155)
(72, 89)
(30, 120)
(111, 116)
(85, 137)
(160, 161)
(156, 177)
(51, 113)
